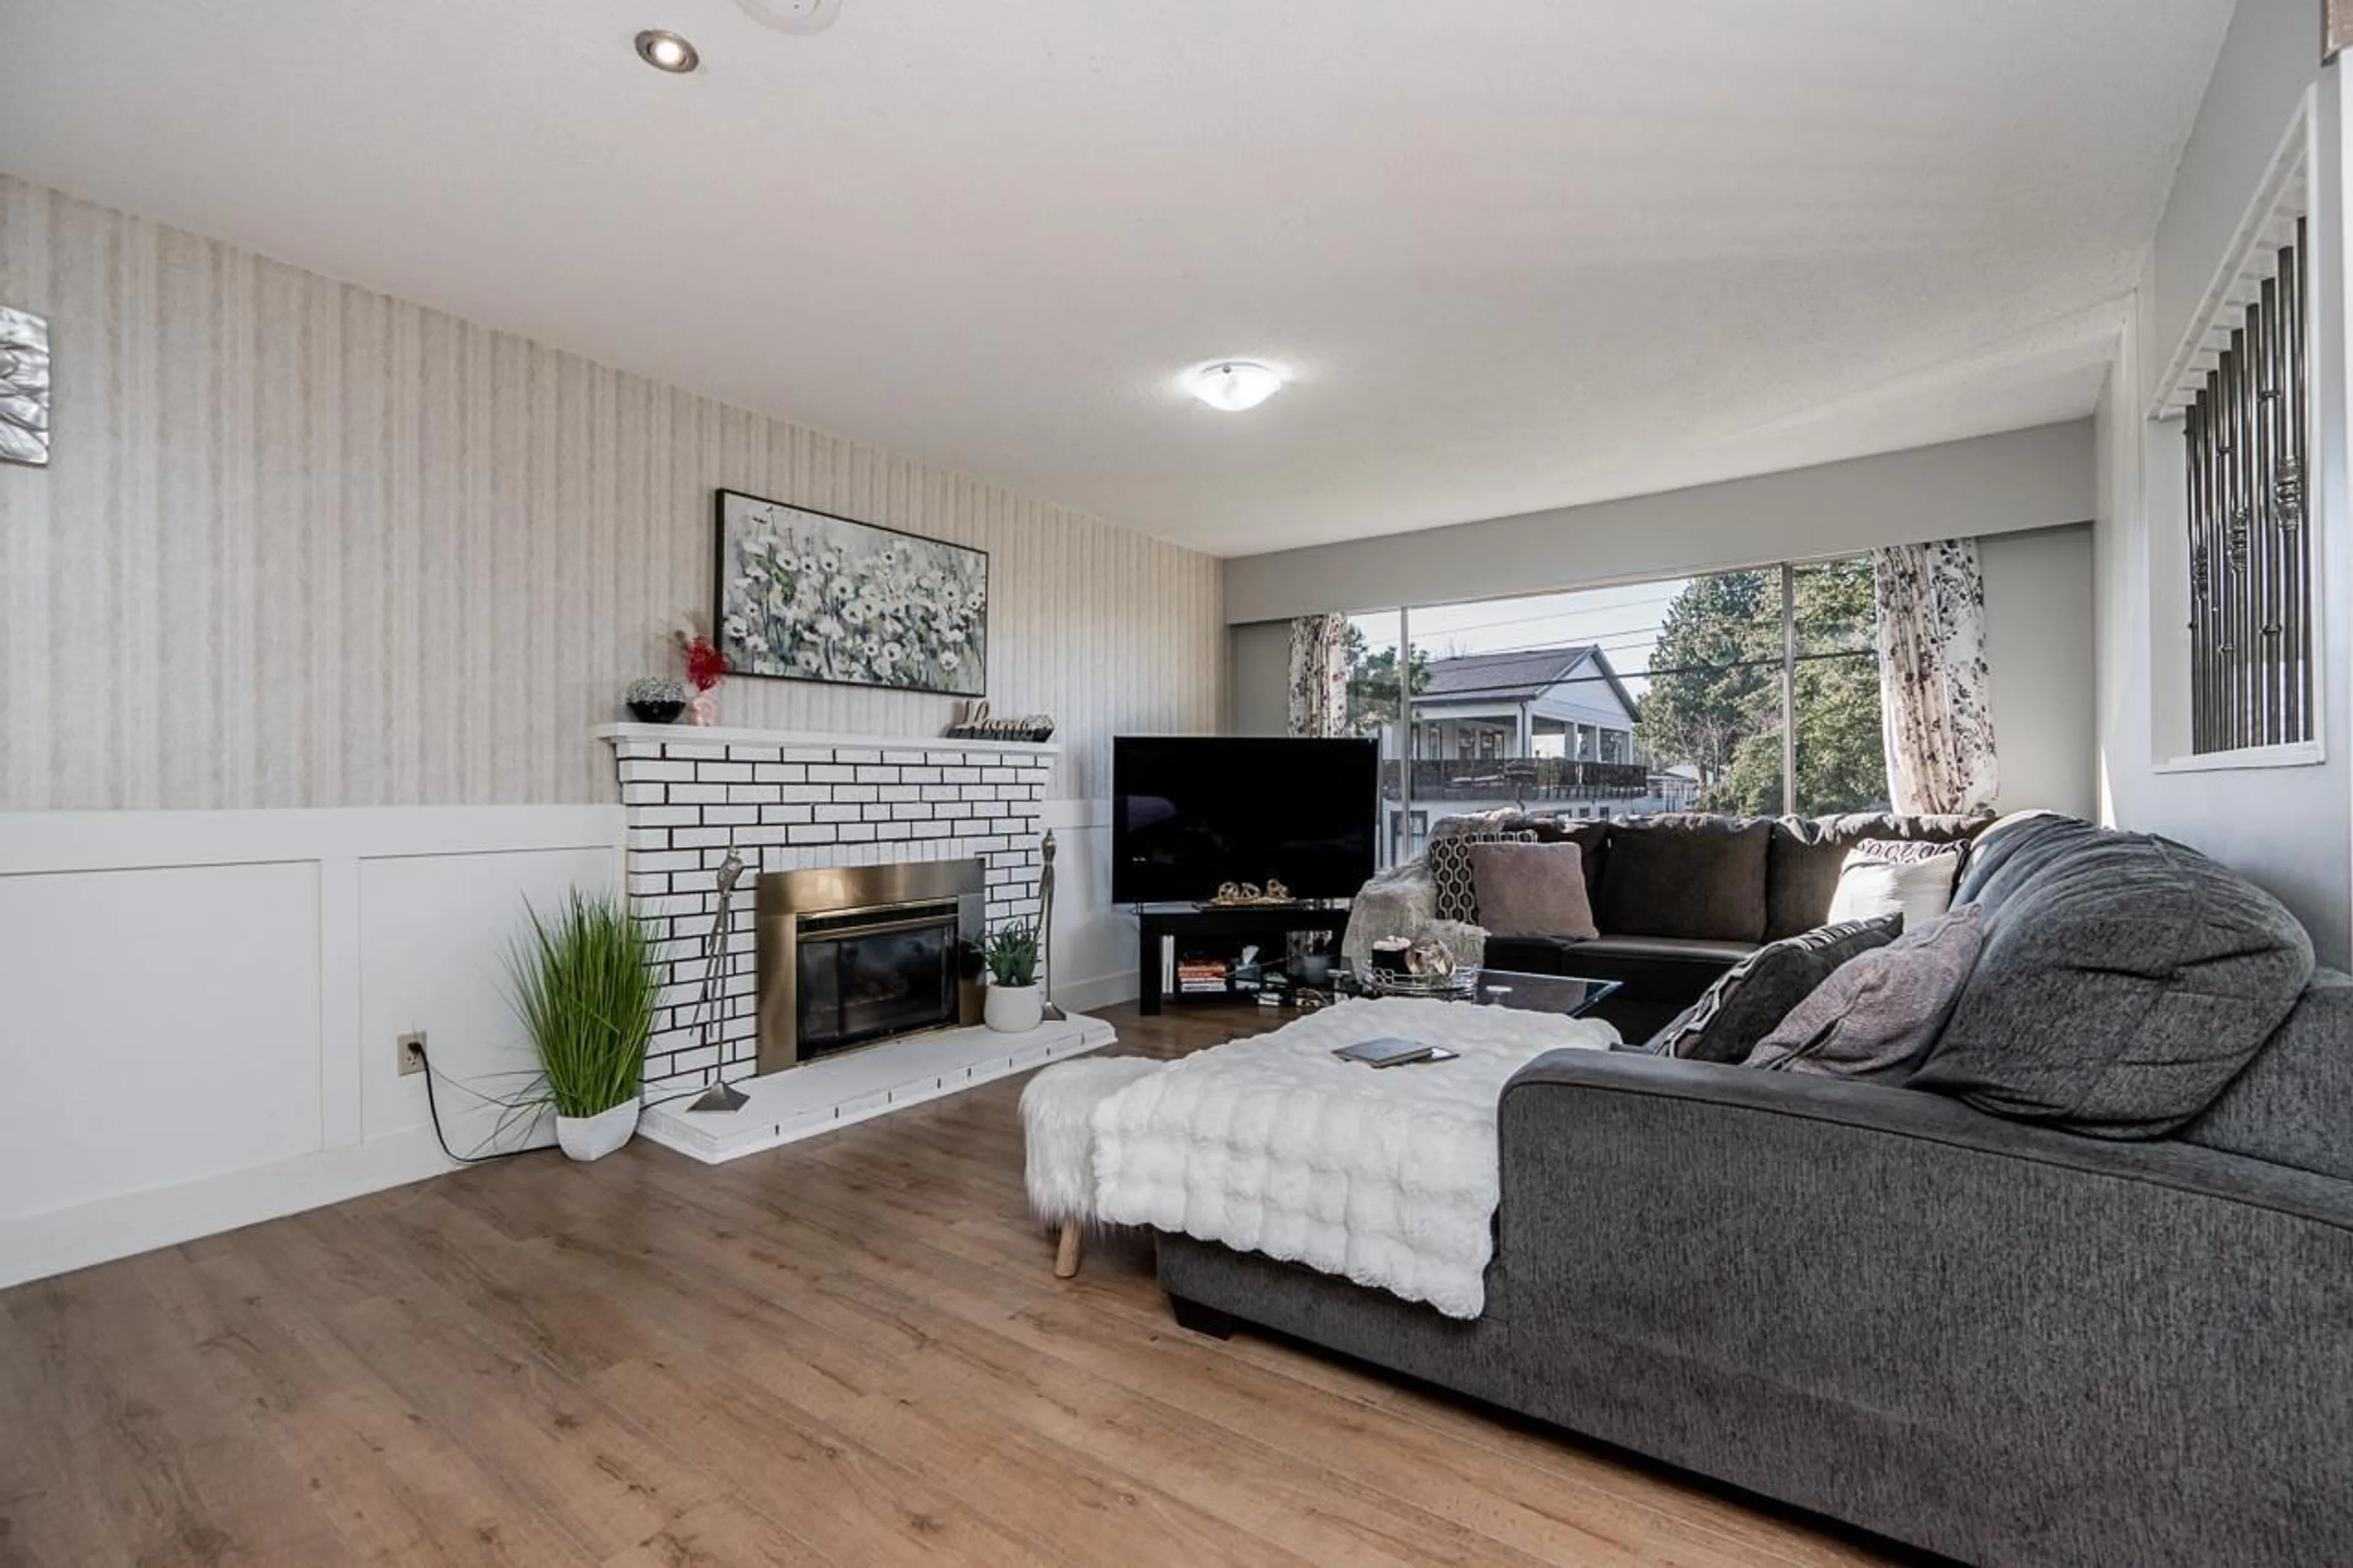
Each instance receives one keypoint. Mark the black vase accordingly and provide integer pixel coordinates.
(657, 713)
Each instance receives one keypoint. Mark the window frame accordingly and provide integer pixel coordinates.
(2282, 197)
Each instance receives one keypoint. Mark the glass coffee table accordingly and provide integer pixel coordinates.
(1570, 995)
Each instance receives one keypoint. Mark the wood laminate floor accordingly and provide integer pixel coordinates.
(848, 1351)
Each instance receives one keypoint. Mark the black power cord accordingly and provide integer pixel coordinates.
(433, 1107)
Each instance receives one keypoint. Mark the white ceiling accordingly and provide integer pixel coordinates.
(1518, 253)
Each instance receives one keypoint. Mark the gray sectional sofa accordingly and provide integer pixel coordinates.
(2081, 1292)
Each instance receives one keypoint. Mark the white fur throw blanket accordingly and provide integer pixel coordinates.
(1386, 1176)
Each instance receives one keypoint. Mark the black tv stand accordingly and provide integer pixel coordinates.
(1268, 924)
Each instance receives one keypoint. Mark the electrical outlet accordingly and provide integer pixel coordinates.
(412, 1053)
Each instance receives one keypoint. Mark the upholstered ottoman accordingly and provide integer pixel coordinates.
(1058, 1144)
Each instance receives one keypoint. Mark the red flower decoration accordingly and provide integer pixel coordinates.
(705, 665)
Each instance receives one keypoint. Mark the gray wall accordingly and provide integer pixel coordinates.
(2269, 56)
(1259, 669)
(2038, 645)
(2291, 828)
(2036, 478)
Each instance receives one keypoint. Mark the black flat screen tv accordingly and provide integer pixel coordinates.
(1191, 811)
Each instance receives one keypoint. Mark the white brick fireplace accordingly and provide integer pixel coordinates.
(789, 801)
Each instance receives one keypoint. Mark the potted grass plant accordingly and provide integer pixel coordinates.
(584, 985)
(1012, 1004)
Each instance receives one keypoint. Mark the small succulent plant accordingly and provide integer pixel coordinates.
(1011, 953)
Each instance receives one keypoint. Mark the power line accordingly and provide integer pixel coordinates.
(1645, 640)
(1556, 614)
(1618, 643)
(1571, 610)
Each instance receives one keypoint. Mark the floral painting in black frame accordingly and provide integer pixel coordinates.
(806, 596)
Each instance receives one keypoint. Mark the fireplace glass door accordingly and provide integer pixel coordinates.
(864, 975)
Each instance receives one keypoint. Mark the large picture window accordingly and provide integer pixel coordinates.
(1753, 692)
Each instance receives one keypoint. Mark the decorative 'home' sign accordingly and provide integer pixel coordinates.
(24, 387)
(805, 595)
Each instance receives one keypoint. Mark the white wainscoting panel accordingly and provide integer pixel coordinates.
(162, 1027)
(433, 931)
(1095, 942)
(201, 1007)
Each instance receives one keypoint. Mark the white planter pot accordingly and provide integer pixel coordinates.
(594, 1137)
(1012, 1009)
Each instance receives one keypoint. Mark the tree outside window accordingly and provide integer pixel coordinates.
(1723, 691)
(1373, 695)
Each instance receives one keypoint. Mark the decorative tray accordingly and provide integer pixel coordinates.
(1384, 983)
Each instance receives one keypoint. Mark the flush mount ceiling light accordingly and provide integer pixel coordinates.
(666, 52)
(1234, 384)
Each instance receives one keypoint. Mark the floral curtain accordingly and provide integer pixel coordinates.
(1933, 699)
(1319, 676)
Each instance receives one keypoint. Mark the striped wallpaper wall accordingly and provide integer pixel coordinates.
(301, 544)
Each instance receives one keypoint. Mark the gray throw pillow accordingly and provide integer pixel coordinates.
(1449, 859)
(1879, 1016)
(1758, 992)
(1531, 889)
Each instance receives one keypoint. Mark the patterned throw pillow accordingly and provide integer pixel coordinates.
(1905, 852)
(1752, 996)
(1450, 869)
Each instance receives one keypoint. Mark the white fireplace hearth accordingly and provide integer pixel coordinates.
(793, 801)
(841, 1091)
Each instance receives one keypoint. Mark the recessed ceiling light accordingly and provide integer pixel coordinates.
(666, 52)
(1234, 384)
(793, 15)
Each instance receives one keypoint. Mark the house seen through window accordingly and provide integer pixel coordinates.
(1752, 692)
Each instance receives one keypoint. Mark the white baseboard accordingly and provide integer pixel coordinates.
(1101, 990)
(62, 1239)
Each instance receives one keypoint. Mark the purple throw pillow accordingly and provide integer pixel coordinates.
(1879, 1013)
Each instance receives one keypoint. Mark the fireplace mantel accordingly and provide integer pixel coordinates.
(811, 739)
